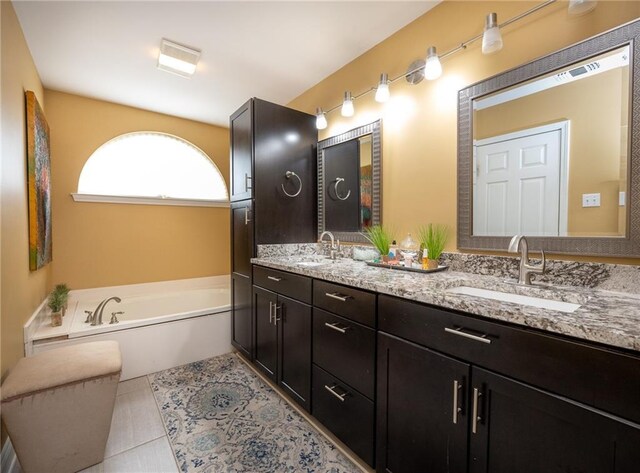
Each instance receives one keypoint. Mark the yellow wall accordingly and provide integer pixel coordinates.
(419, 123)
(98, 244)
(22, 291)
(593, 107)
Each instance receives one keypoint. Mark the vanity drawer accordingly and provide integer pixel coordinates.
(288, 284)
(599, 377)
(345, 412)
(346, 349)
(348, 302)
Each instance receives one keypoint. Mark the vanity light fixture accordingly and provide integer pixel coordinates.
(382, 92)
(432, 68)
(177, 58)
(321, 120)
(580, 7)
(491, 38)
(347, 105)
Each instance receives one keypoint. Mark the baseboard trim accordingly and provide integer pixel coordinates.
(9, 462)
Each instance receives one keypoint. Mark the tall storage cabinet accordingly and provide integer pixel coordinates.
(273, 195)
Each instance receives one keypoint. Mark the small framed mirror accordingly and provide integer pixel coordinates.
(349, 182)
(550, 150)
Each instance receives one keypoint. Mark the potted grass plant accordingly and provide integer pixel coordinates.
(55, 303)
(381, 239)
(63, 290)
(433, 238)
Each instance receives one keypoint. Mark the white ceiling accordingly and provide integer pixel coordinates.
(271, 50)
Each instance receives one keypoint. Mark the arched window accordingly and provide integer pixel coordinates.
(151, 168)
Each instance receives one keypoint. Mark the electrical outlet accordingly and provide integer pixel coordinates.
(591, 200)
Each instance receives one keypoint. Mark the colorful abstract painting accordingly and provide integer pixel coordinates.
(39, 177)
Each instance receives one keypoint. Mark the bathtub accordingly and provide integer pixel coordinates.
(163, 324)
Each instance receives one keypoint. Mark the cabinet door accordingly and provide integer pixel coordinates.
(294, 320)
(421, 410)
(284, 141)
(266, 348)
(522, 429)
(241, 237)
(240, 126)
(241, 319)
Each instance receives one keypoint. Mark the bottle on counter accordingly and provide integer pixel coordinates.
(425, 259)
(393, 251)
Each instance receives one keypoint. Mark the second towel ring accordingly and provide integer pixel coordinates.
(335, 188)
(289, 175)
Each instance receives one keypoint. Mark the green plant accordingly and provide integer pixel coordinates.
(62, 288)
(433, 238)
(379, 237)
(56, 301)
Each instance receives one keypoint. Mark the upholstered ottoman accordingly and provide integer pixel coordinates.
(57, 406)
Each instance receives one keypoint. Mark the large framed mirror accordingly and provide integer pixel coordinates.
(349, 182)
(551, 150)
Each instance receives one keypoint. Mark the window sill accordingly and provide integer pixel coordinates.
(121, 199)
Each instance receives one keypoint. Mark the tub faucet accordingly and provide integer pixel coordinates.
(519, 242)
(97, 314)
(334, 247)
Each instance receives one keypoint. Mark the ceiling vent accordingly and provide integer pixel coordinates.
(177, 58)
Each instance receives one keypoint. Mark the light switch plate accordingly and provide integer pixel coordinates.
(591, 200)
(622, 198)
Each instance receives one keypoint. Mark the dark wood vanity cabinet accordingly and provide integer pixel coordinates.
(273, 155)
(421, 408)
(283, 334)
(475, 401)
(528, 430)
(344, 360)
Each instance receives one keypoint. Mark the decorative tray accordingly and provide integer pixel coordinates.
(403, 268)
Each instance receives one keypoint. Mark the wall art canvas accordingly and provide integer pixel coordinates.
(39, 184)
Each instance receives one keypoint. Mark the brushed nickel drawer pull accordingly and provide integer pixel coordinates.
(273, 278)
(247, 178)
(270, 312)
(335, 327)
(476, 417)
(331, 389)
(277, 308)
(456, 409)
(246, 216)
(458, 331)
(336, 296)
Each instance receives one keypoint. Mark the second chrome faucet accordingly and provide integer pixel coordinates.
(519, 243)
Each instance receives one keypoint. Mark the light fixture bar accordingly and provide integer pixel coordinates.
(460, 47)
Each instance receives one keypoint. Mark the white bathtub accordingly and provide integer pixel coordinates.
(164, 324)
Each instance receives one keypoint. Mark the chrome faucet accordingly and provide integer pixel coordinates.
(519, 243)
(334, 247)
(96, 319)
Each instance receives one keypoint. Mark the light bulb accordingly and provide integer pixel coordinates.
(321, 120)
(433, 68)
(491, 39)
(382, 92)
(580, 7)
(347, 105)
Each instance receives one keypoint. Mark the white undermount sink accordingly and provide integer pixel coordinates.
(516, 299)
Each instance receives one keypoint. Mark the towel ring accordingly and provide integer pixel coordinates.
(335, 188)
(289, 175)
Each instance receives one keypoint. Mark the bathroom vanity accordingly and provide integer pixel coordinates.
(415, 377)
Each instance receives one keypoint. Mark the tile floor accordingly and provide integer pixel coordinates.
(137, 442)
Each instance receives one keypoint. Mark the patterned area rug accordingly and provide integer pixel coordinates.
(221, 417)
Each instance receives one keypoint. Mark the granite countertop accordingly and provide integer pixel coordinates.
(612, 318)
